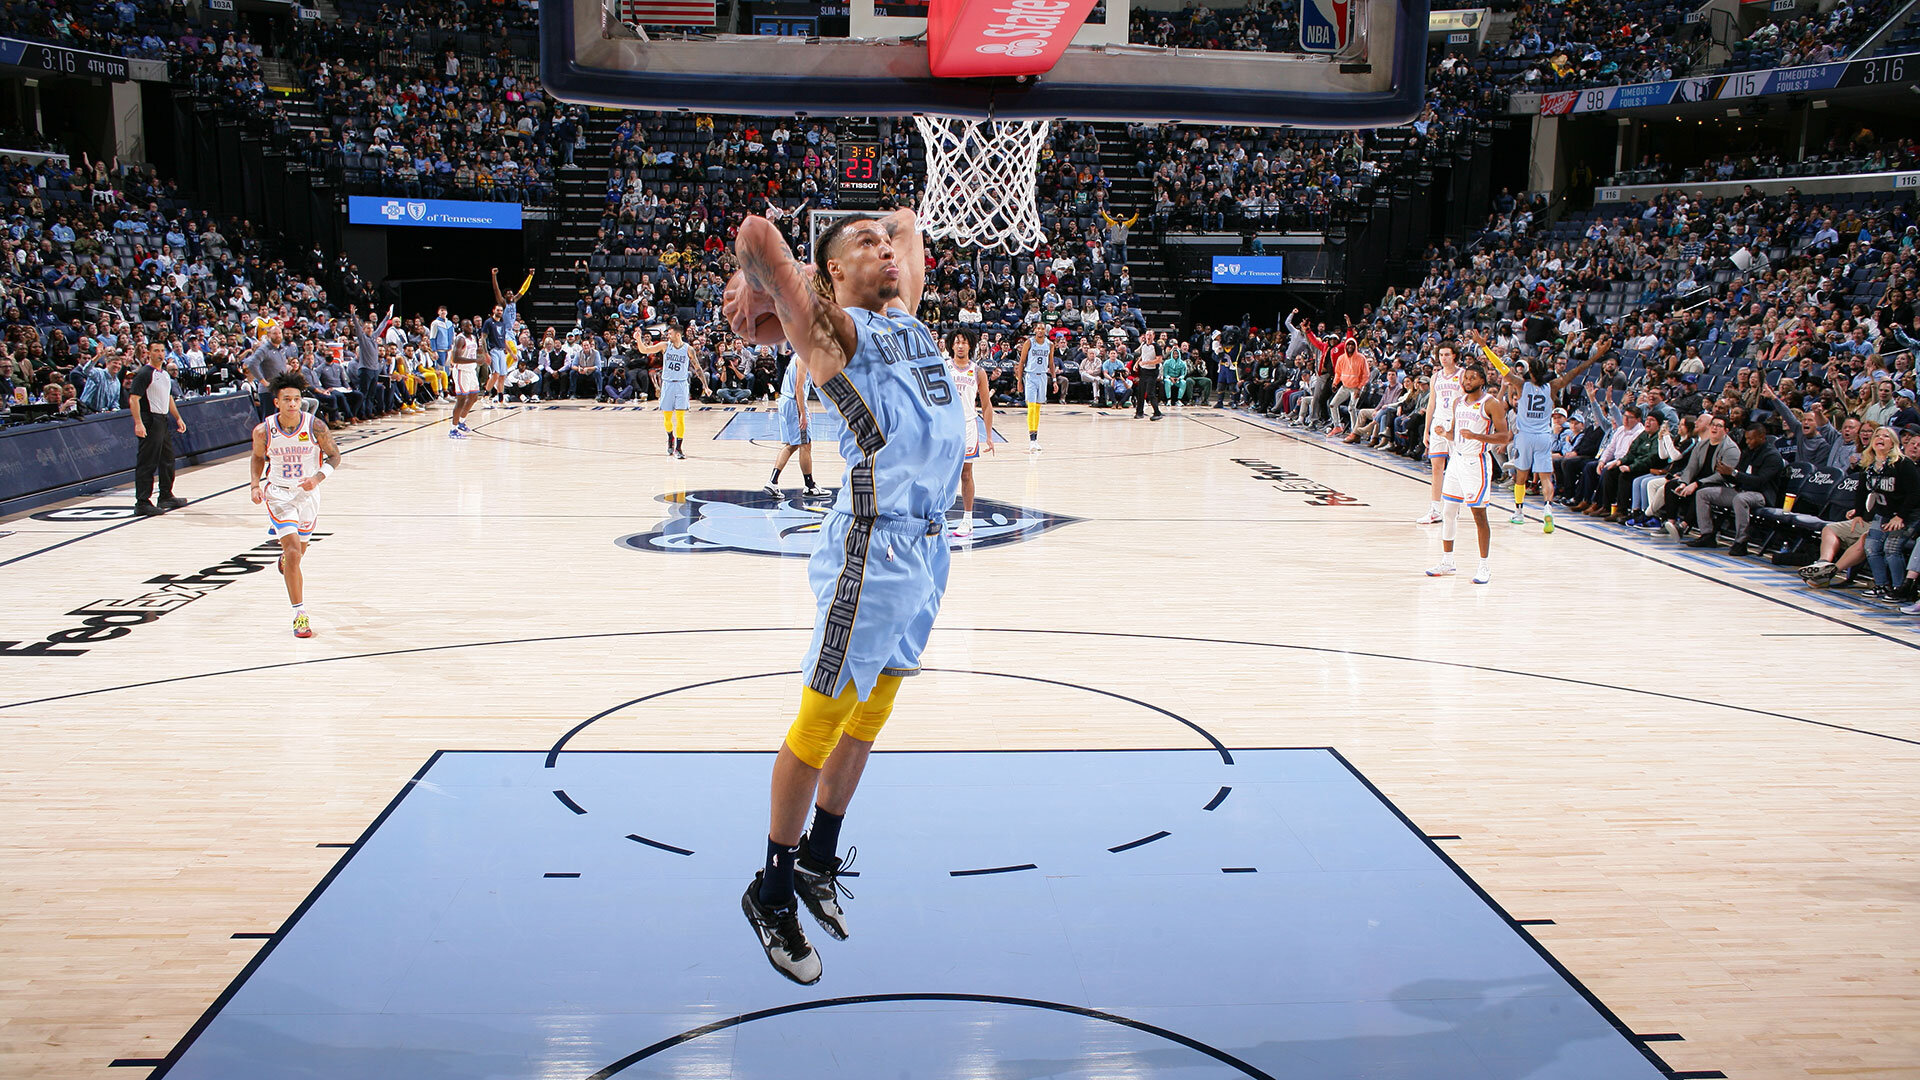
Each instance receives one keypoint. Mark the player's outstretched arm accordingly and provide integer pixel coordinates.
(909, 254)
(1507, 374)
(821, 332)
(1599, 350)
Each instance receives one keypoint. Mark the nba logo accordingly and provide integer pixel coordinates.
(1324, 25)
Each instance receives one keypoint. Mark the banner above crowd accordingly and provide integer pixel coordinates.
(434, 213)
(1899, 70)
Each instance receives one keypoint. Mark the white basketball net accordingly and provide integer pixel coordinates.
(981, 176)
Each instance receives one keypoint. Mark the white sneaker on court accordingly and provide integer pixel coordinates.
(1431, 517)
(1483, 575)
(1442, 569)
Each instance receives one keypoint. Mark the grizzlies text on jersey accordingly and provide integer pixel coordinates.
(881, 567)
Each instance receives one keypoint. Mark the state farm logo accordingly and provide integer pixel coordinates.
(1028, 22)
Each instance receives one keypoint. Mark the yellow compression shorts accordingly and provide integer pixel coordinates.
(817, 729)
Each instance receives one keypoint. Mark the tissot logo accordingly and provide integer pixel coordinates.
(756, 523)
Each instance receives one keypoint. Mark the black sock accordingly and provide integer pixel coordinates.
(823, 839)
(776, 478)
(776, 884)
(808, 477)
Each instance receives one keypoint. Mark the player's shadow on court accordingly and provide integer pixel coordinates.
(1495, 1029)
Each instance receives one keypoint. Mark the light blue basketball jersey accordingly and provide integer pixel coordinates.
(795, 383)
(1536, 410)
(674, 364)
(1039, 353)
(895, 396)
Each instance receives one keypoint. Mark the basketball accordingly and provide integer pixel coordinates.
(767, 331)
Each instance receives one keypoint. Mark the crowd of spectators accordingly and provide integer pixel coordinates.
(1258, 26)
(427, 121)
(1857, 150)
(1816, 37)
(1778, 332)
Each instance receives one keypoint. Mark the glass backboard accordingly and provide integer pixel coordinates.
(869, 58)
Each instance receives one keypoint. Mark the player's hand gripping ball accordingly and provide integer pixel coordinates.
(750, 313)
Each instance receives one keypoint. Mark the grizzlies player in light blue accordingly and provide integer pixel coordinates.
(1039, 375)
(1535, 394)
(881, 567)
(795, 433)
(676, 367)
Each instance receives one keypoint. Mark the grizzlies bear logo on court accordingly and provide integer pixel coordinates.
(756, 523)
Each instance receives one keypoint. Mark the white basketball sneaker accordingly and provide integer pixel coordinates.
(1444, 568)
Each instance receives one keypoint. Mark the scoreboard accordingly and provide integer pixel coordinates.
(860, 175)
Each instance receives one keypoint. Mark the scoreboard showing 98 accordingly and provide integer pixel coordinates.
(860, 175)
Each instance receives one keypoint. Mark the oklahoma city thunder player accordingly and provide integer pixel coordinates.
(1039, 375)
(881, 567)
(1445, 391)
(292, 453)
(1479, 421)
(977, 399)
(676, 366)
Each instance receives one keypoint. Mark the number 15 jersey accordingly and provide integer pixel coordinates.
(903, 425)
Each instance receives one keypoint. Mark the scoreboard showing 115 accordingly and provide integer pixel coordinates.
(860, 175)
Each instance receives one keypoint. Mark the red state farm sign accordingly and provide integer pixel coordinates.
(974, 38)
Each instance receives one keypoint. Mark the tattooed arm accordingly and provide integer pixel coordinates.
(772, 281)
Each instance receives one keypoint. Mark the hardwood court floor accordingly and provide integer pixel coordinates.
(1708, 781)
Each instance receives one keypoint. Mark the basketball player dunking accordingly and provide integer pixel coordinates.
(292, 453)
(1037, 355)
(1479, 422)
(978, 401)
(1445, 391)
(881, 567)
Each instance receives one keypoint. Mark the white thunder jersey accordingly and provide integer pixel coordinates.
(292, 456)
(1467, 479)
(966, 384)
(1446, 391)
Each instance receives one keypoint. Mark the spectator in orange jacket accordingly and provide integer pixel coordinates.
(1349, 378)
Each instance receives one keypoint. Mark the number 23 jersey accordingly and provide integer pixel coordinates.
(903, 426)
